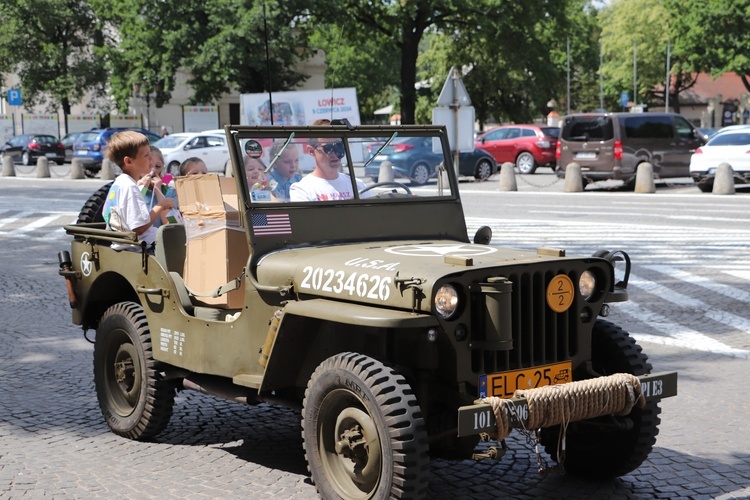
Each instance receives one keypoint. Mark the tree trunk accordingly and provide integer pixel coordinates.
(409, 54)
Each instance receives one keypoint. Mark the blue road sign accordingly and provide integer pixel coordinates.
(624, 99)
(14, 97)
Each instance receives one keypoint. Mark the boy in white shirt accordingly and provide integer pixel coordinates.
(125, 208)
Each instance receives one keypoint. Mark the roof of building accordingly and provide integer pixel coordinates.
(729, 85)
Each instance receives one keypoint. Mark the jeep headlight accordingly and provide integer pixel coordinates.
(446, 301)
(587, 284)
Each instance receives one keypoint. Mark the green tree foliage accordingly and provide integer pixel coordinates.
(367, 63)
(515, 62)
(713, 34)
(221, 43)
(50, 45)
(647, 24)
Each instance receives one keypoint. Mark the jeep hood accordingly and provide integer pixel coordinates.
(380, 273)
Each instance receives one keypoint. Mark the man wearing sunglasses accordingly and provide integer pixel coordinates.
(325, 183)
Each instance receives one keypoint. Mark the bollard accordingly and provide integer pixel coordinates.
(644, 178)
(723, 180)
(386, 172)
(228, 172)
(76, 169)
(9, 170)
(108, 170)
(42, 167)
(508, 177)
(573, 179)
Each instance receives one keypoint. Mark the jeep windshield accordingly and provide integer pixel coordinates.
(306, 185)
(337, 164)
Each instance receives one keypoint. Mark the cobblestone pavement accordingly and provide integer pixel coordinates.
(54, 442)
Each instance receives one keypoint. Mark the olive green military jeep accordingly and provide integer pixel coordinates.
(370, 308)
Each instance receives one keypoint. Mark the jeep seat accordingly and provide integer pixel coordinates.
(170, 253)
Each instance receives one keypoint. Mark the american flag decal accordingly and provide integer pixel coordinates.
(271, 224)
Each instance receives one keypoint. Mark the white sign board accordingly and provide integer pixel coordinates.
(82, 123)
(7, 130)
(125, 121)
(447, 117)
(200, 118)
(40, 124)
(300, 107)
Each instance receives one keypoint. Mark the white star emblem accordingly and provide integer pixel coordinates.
(85, 264)
(459, 250)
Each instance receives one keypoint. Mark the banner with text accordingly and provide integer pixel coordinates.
(40, 124)
(7, 128)
(82, 123)
(301, 107)
(125, 121)
(200, 118)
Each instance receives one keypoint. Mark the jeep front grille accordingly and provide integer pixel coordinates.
(540, 336)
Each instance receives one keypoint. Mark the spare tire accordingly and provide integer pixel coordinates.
(92, 209)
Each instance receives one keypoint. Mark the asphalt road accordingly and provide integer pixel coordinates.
(688, 309)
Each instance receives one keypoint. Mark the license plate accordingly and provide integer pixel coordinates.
(50, 155)
(586, 155)
(381, 158)
(504, 384)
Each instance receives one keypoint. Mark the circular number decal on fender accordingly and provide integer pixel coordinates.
(560, 293)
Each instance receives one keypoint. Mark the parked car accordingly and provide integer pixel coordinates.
(733, 147)
(68, 142)
(27, 148)
(414, 159)
(612, 145)
(90, 146)
(211, 147)
(528, 146)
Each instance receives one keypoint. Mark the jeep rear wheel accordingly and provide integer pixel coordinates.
(135, 401)
(610, 446)
(363, 432)
(92, 209)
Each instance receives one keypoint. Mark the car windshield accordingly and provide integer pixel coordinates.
(45, 139)
(170, 142)
(738, 139)
(88, 137)
(553, 132)
(588, 128)
(399, 165)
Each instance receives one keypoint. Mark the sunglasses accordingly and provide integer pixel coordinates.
(333, 147)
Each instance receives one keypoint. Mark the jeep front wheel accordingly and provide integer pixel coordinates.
(363, 432)
(135, 401)
(610, 446)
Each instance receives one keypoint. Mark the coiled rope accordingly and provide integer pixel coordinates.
(564, 403)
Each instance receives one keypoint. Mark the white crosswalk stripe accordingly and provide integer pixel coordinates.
(35, 225)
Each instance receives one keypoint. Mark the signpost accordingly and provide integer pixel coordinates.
(14, 97)
(624, 99)
(454, 110)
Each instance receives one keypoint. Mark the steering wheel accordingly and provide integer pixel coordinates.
(389, 183)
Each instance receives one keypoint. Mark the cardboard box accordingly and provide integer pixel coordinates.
(217, 249)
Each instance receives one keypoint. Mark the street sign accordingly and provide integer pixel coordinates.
(14, 97)
(454, 92)
(624, 99)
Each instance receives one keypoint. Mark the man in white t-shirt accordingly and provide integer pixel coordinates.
(325, 183)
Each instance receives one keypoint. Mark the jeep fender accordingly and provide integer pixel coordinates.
(313, 330)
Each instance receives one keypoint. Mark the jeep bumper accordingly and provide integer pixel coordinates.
(479, 418)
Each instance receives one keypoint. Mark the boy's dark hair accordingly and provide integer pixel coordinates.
(126, 143)
(185, 165)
